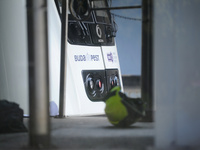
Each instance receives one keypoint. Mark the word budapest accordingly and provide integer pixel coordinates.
(86, 57)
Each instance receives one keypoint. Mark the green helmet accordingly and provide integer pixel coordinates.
(121, 110)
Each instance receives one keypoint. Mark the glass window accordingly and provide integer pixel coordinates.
(101, 15)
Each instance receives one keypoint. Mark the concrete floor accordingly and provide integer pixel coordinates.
(91, 132)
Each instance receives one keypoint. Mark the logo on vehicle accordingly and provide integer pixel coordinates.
(110, 57)
(87, 57)
(98, 31)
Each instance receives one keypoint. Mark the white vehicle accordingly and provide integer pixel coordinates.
(92, 60)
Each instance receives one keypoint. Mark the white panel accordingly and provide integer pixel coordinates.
(82, 58)
(110, 57)
(13, 52)
(111, 60)
(54, 39)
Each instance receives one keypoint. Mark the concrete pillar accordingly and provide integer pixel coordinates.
(176, 73)
(39, 125)
(146, 75)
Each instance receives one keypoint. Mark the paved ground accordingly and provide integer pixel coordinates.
(93, 132)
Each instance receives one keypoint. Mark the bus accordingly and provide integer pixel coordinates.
(93, 66)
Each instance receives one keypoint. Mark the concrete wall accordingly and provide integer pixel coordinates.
(177, 72)
(13, 52)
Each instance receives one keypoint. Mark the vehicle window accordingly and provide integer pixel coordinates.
(101, 15)
(94, 30)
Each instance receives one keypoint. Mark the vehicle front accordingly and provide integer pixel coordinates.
(92, 59)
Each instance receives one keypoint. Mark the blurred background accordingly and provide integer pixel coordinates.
(128, 38)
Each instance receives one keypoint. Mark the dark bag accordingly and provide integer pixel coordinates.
(11, 117)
